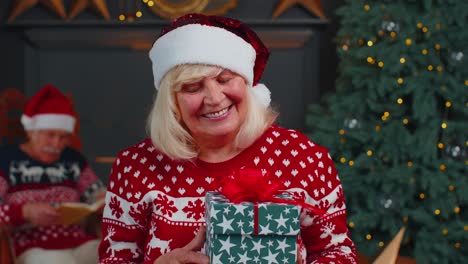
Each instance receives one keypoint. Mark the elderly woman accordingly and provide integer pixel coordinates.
(212, 117)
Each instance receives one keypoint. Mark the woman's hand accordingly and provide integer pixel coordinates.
(188, 253)
(40, 214)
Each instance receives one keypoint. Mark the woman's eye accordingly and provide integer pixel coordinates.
(191, 88)
(224, 79)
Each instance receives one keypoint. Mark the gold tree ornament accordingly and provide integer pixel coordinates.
(170, 9)
(314, 6)
(21, 6)
(78, 6)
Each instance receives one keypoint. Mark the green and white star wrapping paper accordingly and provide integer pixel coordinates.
(230, 231)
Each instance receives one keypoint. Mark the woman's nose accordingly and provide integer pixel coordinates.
(214, 93)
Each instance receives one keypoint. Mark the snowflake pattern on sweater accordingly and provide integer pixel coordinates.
(24, 180)
(155, 204)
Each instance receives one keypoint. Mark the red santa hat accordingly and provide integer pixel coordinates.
(212, 40)
(49, 109)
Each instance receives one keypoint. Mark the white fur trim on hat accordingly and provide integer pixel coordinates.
(202, 44)
(49, 121)
(262, 94)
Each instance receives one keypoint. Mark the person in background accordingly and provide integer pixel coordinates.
(212, 117)
(43, 172)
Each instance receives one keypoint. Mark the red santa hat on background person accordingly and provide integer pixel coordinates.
(212, 40)
(49, 109)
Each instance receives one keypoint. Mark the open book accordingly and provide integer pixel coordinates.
(71, 213)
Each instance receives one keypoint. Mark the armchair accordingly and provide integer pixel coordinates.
(12, 103)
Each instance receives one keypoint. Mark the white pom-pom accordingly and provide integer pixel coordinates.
(262, 94)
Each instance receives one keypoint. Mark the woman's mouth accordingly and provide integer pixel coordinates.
(218, 114)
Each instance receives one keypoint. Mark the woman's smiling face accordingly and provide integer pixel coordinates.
(214, 106)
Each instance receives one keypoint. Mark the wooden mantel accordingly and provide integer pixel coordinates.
(141, 35)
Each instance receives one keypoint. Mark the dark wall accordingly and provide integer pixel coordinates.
(105, 66)
(11, 54)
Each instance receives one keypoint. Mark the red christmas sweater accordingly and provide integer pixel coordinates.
(155, 204)
(24, 180)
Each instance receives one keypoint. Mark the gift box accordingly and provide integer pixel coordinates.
(248, 232)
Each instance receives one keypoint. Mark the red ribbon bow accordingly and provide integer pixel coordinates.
(249, 185)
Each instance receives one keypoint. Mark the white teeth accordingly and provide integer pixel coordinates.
(217, 114)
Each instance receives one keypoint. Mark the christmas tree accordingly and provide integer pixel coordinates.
(397, 125)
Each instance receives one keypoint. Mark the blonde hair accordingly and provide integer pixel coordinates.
(169, 134)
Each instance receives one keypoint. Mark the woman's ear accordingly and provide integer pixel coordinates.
(177, 116)
(175, 107)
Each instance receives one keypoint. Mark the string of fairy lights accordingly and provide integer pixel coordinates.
(130, 10)
(392, 32)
